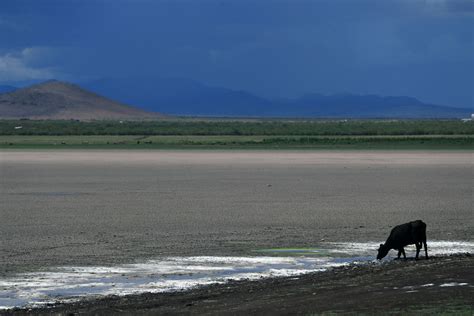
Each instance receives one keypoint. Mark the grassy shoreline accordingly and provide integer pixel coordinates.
(215, 127)
(239, 134)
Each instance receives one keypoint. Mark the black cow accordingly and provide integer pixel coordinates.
(402, 235)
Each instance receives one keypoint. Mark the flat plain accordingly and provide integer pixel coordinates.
(77, 207)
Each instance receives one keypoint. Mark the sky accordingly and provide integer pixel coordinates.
(273, 48)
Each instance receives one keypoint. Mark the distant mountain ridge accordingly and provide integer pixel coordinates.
(179, 96)
(176, 96)
(60, 100)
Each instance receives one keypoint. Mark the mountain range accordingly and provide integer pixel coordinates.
(185, 97)
(177, 96)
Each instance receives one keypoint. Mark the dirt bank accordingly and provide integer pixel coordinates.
(440, 284)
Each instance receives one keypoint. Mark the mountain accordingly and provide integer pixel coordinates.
(60, 100)
(182, 96)
(5, 89)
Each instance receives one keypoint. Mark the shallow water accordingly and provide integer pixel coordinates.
(167, 274)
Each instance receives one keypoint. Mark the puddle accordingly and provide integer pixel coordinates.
(163, 275)
(453, 284)
(64, 284)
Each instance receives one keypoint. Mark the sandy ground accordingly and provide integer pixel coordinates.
(106, 207)
(440, 285)
(236, 157)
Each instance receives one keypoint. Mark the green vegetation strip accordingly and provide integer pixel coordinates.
(239, 127)
(239, 142)
(288, 252)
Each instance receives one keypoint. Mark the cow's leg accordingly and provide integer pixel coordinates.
(403, 252)
(418, 248)
(399, 253)
(424, 244)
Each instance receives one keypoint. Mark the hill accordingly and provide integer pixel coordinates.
(188, 97)
(60, 100)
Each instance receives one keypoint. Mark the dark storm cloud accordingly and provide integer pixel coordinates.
(460, 6)
(273, 48)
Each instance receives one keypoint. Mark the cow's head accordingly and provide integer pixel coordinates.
(383, 251)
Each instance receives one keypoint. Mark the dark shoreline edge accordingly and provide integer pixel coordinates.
(392, 287)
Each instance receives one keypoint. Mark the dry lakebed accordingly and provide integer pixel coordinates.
(232, 232)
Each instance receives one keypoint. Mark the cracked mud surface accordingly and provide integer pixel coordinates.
(111, 207)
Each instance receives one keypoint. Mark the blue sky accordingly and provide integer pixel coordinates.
(273, 48)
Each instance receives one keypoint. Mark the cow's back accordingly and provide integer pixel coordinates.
(407, 234)
(418, 231)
